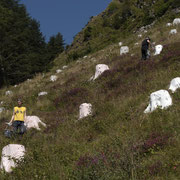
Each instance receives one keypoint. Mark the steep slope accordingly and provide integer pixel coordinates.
(119, 20)
(118, 141)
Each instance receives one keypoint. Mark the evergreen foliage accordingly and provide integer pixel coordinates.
(55, 45)
(23, 50)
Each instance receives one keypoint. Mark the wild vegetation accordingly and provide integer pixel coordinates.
(118, 141)
(119, 20)
(23, 49)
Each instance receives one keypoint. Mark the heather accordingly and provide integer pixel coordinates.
(118, 141)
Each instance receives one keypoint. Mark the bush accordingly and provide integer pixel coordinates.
(112, 8)
(87, 33)
(161, 8)
(175, 3)
(73, 56)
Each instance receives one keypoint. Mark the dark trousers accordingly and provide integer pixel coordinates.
(19, 127)
(144, 54)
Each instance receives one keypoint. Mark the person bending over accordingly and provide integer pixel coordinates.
(144, 48)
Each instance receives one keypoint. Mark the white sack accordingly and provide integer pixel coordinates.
(169, 24)
(145, 31)
(176, 21)
(85, 110)
(58, 71)
(8, 93)
(33, 122)
(161, 99)
(173, 31)
(64, 67)
(136, 44)
(100, 68)
(174, 84)
(120, 43)
(158, 49)
(29, 80)
(53, 78)
(2, 109)
(124, 50)
(9, 153)
(42, 93)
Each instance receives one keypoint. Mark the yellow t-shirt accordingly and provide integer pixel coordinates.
(19, 113)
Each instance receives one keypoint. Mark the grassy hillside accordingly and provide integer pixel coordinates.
(118, 21)
(118, 141)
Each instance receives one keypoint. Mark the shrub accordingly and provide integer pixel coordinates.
(73, 56)
(153, 143)
(160, 8)
(155, 168)
(112, 8)
(87, 33)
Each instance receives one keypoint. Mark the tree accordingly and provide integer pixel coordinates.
(55, 45)
(23, 50)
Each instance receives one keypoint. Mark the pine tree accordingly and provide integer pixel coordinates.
(23, 50)
(55, 45)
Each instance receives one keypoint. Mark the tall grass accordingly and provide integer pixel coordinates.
(118, 141)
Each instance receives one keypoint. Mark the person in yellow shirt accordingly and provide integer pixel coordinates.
(18, 117)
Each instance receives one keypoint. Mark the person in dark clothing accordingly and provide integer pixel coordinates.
(144, 48)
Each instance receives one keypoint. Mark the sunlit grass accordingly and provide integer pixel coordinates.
(118, 141)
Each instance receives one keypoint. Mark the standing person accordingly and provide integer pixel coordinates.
(18, 117)
(145, 47)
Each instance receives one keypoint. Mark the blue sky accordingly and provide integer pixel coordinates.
(65, 16)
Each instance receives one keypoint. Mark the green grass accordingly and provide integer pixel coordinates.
(118, 141)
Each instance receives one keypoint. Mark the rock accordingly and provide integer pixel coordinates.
(53, 78)
(176, 21)
(120, 43)
(124, 50)
(139, 35)
(143, 28)
(173, 31)
(85, 57)
(10, 154)
(161, 99)
(176, 10)
(158, 49)
(58, 71)
(85, 110)
(42, 93)
(100, 68)
(174, 84)
(33, 122)
(168, 24)
(8, 93)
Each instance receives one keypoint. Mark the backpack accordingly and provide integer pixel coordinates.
(8, 133)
